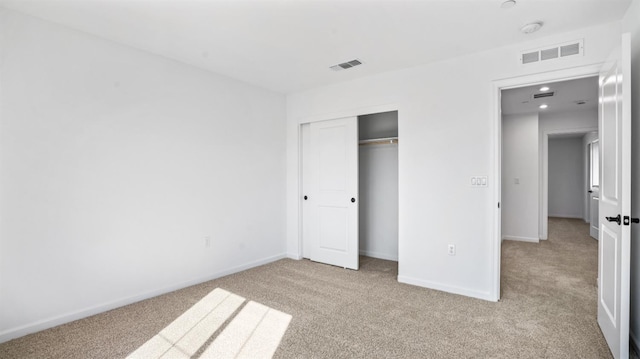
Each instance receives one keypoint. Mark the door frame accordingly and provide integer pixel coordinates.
(355, 112)
(496, 87)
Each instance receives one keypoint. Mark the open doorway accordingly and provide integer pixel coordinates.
(592, 178)
(614, 122)
(544, 130)
(378, 185)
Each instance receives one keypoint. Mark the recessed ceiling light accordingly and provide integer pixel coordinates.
(543, 106)
(544, 88)
(531, 27)
(508, 4)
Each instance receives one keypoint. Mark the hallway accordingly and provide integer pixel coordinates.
(558, 277)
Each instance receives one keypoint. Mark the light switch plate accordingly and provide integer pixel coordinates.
(479, 181)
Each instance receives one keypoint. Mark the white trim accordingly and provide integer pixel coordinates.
(294, 256)
(551, 76)
(446, 288)
(496, 87)
(379, 255)
(83, 313)
(299, 198)
(544, 176)
(496, 242)
(355, 112)
(625, 188)
(521, 239)
(577, 216)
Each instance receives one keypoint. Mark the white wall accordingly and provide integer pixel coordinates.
(116, 164)
(520, 178)
(632, 25)
(446, 123)
(378, 187)
(378, 193)
(561, 121)
(378, 125)
(566, 192)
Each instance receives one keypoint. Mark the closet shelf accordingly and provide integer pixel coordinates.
(380, 141)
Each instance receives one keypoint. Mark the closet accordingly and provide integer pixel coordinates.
(378, 185)
(349, 195)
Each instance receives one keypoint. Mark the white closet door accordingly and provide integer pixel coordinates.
(615, 197)
(333, 195)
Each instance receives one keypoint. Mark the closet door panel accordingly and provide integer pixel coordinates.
(333, 182)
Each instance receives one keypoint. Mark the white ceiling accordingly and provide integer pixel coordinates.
(566, 96)
(288, 46)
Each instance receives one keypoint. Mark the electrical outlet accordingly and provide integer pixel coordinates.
(451, 250)
(207, 242)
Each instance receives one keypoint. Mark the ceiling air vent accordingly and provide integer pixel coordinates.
(543, 94)
(530, 57)
(571, 49)
(346, 65)
(547, 53)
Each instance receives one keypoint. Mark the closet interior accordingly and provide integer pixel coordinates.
(378, 185)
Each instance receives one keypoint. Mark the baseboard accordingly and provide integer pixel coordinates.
(447, 288)
(87, 312)
(379, 255)
(294, 256)
(635, 344)
(566, 216)
(521, 239)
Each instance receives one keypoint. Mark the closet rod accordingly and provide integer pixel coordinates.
(379, 141)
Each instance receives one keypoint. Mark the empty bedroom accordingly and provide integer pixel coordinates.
(326, 179)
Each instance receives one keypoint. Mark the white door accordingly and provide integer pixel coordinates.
(333, 192)
(594, 231)
(593, 181)
(615, 196)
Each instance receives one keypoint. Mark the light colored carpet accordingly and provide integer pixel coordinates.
(548, 310)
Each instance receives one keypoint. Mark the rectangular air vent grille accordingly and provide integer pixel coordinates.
(543, 94)
(530, 57)
(552, 52)
(549, 54)
(568, 50)
(346, 65)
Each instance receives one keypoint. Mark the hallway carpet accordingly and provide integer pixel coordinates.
(547, 310)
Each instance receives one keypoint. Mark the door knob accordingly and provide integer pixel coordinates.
(628, 220)
(305, 198)
(614, 219)
(353, 200)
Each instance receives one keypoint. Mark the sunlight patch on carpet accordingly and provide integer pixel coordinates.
(255, 332)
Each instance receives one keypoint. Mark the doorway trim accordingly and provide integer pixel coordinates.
(496, 87)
